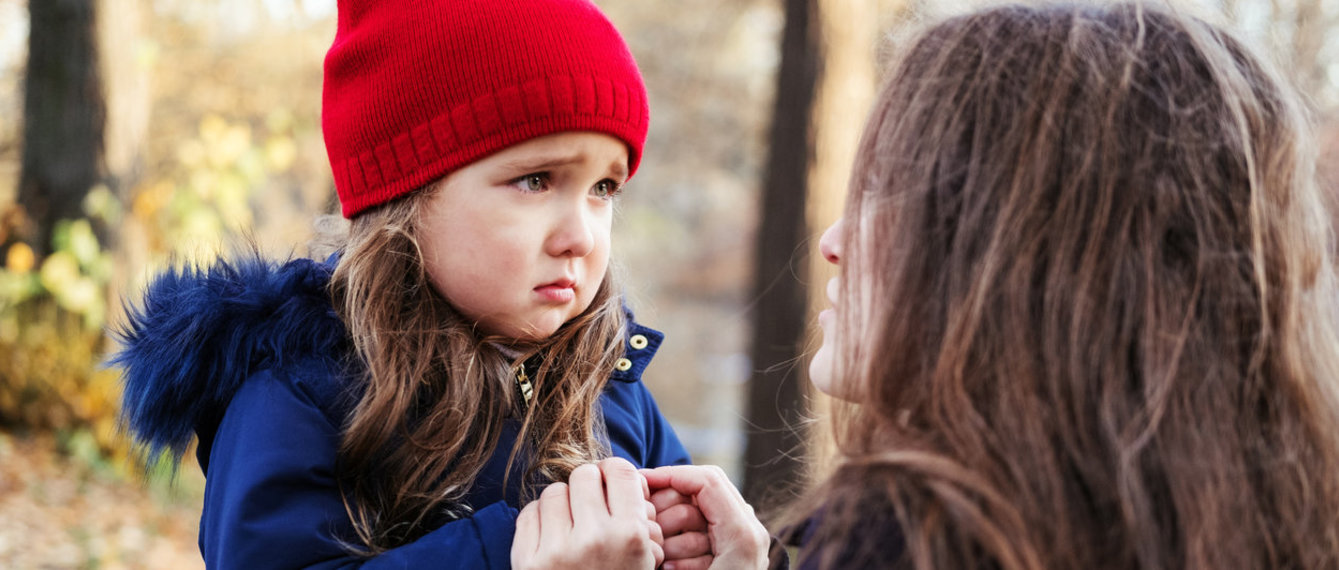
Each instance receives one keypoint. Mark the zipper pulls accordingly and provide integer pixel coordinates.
(523, 384)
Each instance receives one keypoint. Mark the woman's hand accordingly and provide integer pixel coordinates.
(687, 546)
(599, 519)
(736, 537)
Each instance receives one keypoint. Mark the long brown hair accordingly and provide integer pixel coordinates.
(436, 393)
(1087, 304)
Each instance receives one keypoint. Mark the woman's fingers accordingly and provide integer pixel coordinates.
(684, 527)
(646, 487)
(684, 517)
(687, 545)
(666, 498)
(715, 495)
(738, 540)
(699, 563)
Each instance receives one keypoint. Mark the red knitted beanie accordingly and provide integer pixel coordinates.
(415, 89)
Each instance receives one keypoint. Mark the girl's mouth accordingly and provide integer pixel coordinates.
(561, 291)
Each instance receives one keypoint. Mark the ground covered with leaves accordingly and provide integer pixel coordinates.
(61, 506)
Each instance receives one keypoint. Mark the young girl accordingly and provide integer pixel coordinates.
(1086, 306)
(395, 404)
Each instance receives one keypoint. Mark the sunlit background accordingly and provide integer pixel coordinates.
(211, 136)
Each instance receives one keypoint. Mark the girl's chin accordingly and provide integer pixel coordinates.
(521, 332)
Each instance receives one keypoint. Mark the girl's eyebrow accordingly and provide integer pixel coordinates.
(617, 169)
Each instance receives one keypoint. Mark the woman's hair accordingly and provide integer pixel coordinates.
(1087, 305)
(436, 392)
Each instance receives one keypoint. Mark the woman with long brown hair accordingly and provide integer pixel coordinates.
(398, 404)
(1086, 308)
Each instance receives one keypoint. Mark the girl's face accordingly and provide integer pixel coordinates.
(821, 371)
(518, 241)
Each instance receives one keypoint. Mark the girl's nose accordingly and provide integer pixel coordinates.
(830, 245)
(574, 234)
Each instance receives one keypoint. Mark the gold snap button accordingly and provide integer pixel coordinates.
(637, 341)
(623, 365)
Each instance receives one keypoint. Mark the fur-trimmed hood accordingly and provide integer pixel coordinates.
(198, 333)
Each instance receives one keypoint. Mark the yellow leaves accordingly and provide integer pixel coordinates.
(9, 332)
(81, 242)
(198, 227)
(224, 144)
(231, 193)
(72, 290)
(281, 153)
(102, 204)
(218, 172)
(212, 128)
(75, 274)
(48, 363)
(52, 309)
(97, 402)
(60, 269)
(151, 199)
(20, 258)
(280, 120)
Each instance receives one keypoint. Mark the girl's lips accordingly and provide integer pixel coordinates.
(559, 292)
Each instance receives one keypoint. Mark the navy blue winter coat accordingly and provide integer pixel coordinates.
(251, 358)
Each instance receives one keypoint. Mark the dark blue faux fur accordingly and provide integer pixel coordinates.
(199, 333)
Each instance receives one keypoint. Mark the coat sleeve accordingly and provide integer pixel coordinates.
(271, 499)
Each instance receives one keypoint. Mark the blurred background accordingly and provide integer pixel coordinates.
(133, 132)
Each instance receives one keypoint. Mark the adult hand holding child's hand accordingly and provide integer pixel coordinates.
(600, 518)
(735, 538)
(687, 546)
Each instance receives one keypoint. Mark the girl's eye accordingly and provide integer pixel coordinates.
(606, 188)
(535, 182)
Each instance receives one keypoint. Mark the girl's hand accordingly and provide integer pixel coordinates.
(598, 519)
(737, 539)
(687, 546)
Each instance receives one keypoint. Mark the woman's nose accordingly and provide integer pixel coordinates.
(830, 245)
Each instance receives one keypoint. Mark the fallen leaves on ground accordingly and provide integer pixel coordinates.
(60, 512)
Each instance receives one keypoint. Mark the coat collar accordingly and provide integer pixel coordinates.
(639, 346)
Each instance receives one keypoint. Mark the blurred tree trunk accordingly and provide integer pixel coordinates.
(773, 451)
(63, 117)
(125, 79)
(125, 70)
(824, 90)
